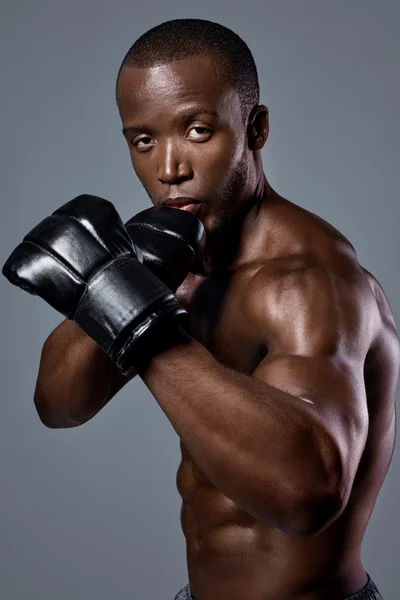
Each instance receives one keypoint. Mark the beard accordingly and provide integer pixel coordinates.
(223, 234)
(230, 196)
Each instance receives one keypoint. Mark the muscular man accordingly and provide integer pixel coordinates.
(282, 390)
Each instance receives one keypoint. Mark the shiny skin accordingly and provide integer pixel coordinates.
(202, 156)
(284, 304)
(229, 552)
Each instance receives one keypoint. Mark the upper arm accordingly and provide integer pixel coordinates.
(318, 328)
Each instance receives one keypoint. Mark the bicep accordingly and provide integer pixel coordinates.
(316, 327)
(332, 394)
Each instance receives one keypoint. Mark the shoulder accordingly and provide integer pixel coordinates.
(312, 281)
(302, 301)
(381, 299)
(308, 270)
(309, 260)
(384, 353)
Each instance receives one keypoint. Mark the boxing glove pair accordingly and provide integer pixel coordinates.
(115, 281)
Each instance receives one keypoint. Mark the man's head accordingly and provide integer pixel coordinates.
(188, 94)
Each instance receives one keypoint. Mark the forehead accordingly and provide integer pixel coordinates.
(190, 81)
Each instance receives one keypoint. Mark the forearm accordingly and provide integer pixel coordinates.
(75, 378)
(250, 439)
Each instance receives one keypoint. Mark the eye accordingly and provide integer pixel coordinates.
(202, 132)
(145, 145)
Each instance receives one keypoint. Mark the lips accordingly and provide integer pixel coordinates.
(180, 202)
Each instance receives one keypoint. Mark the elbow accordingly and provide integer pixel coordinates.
(325, 502)
(47, 420)
(42, 413)
(58, 425)
(44, 417)
(313, 517)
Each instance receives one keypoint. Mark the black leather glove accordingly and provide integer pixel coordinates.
(172, 242)
(82, 261)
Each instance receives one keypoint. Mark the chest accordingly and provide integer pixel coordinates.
(216, 320)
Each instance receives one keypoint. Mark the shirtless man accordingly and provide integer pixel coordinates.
(282, 390)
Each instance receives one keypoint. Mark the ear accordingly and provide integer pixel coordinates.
(258, 127)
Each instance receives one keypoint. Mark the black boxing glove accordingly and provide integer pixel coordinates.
(82, 261)
(172, 242)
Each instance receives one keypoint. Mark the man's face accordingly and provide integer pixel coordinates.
(177, 149)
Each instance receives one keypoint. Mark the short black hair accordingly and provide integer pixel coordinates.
(177, 39)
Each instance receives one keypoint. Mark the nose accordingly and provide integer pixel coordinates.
(173, 166)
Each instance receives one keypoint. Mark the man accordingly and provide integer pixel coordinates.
(282, 390)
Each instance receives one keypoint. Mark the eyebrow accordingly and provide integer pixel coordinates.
(185, 116)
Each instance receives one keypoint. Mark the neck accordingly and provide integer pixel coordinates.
(232, 245)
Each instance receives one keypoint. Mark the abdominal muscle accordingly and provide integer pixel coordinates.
(233, 555)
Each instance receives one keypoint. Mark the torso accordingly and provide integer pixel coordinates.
(231, 554)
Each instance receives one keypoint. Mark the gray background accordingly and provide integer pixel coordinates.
(93, 512)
